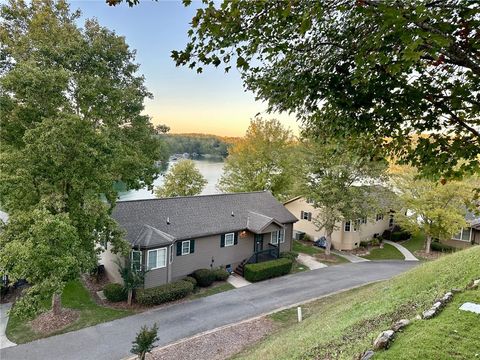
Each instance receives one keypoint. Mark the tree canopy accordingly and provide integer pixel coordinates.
(343, 181)
(406, 72)
(183, 179)
(71, 103)
(264, 159)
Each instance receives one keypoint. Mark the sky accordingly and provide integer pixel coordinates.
(212, 102)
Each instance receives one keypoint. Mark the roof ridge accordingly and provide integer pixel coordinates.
(196, 196)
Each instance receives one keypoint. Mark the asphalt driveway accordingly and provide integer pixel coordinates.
(113, 340)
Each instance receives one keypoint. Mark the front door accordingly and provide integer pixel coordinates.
(258, 245)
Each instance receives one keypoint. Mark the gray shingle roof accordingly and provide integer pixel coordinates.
(257, 222)
(194, 216)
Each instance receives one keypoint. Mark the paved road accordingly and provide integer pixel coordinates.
(112, 340)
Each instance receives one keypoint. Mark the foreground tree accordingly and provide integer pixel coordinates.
(264, 159)
(145, 341)
(391, 69)
(342, 182)
(71, 126)
(183, 179)
(435, 209)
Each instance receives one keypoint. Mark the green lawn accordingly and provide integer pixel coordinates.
(344, 325)
(297, 267)
(215, 289)
(389, 252)
(417, 242)
(74, 296)
(304, 248)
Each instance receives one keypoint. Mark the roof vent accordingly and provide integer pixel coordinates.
(233, 214)
(168, 221)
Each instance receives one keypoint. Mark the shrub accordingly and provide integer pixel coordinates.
(192, 280)
(204, 277)
(374, 242)
(115, 292)
(165, 293)
(307, 237)
(400, 235)
(221, 274)
(292, 255)
(267, 269)
(364, 244)
(438, 246)
(387, 234)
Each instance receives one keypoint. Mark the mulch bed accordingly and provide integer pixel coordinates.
(361, 251)
(47, 322)
(217, 345)
(431, 256)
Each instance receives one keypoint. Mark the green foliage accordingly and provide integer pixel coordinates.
(145, 341)
(164, 293)
(400, 235)
(292, 255)
(197, 143)
(393, 70)
(340, 179)
(183, 179)
(268, 269)
(264, 159)
(438, 246)
(115, 292)
(192, 280)
(435, 209)
(71, 105)
(221, 274)
(132, 278)
(205, 277)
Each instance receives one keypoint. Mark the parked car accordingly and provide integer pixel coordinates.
(322, 242)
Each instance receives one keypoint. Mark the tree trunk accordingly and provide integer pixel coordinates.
(142, 355)
(428, 242)
(56, 304)
(129, 298)
(328, 245)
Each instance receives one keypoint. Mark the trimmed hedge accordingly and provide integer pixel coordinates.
(438, 246)
(115, 292)
(221, 274)
(400, 235)
(165, 293)
(192, 280)
(292, 255)
(204, 277)
(267, 269)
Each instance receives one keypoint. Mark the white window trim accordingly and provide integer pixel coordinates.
(170, 258)
(189, 247)
(461, 235)
(282, 239)
(230, 242)
(349, 226)
(275, 238)
(159, 250)
(305, 215)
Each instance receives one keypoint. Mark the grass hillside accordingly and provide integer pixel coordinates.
(344, 325)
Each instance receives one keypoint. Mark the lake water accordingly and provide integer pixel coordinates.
(211, 169)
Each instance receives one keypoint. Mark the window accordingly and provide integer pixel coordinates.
(136, 260)
(379, 217)
(170, 260)
(157, 258)
(347, 226)
(463, 235)
(305, 215)
(278, 237)
(390, 221)
(186, 247)
(229, 239)
(363, 220)
(309, 201)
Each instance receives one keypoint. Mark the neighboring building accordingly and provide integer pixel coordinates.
(349, 233)
(173, 237)
(469, 235)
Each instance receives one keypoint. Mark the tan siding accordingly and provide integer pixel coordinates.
(340, 239)
(109, 260)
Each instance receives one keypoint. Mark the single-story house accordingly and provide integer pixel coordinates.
(349, 233)
(468, 235)
(173, 237)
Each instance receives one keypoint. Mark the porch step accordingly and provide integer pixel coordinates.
(240, 268)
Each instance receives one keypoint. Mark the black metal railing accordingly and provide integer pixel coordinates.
(263, 255)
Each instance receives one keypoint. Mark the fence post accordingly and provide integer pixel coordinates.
(299, 314)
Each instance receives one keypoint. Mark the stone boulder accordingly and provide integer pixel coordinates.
(400, 324)
(430, 313)
(383, 339)
(367, 355)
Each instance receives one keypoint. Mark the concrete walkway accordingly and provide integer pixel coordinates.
(4, 342)
(349, 257)
(405, 252)
(310, 261)
(237, 281)
(113, 340)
